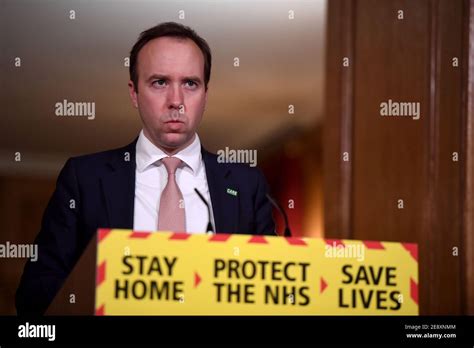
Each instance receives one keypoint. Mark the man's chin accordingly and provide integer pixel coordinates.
(174, 141)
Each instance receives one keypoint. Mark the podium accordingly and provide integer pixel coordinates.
(81, 284)
(125, 272)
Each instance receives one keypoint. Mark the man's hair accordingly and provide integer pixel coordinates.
(169, 29)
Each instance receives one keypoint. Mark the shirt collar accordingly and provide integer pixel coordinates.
(147, 153)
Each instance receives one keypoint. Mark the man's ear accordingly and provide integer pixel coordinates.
(133, 94)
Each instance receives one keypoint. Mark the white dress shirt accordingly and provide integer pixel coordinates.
(151, 178)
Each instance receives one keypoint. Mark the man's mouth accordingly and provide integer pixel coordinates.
(174, 126)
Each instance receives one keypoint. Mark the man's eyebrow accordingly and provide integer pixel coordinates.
(158, 77)
(166, 77)
(192, 78)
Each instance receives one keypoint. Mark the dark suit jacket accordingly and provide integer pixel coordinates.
(98, 190)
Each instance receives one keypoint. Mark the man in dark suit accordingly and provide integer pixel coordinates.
(148, 184)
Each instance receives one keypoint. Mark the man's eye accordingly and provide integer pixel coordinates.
(191, 83)
(159, 82)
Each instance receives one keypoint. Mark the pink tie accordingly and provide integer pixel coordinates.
(171, 213)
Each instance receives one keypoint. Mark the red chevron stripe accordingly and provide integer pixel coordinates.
(100, 273)
(140, 234)
(219, 237)
(414, 290)
(103, 232)
(412, 248)
(295, 241)
(179, 236)
(100, 310)
(335, 242)
(257, 239)
(372, 244)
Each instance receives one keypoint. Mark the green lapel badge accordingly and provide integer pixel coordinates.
(232, 192)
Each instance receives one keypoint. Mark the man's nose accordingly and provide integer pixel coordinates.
(175, 97)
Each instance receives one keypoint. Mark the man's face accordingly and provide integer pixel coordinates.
(171, 94)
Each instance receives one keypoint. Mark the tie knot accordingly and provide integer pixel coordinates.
(171, 163)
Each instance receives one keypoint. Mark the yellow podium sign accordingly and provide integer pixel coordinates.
(167, 273)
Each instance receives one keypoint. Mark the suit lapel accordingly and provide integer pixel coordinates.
(118, 187)
(225, 206)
